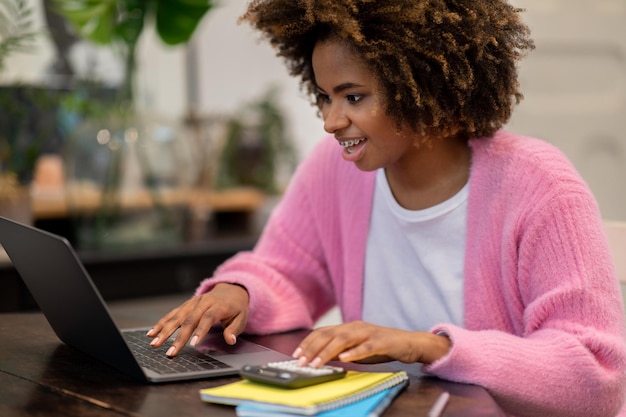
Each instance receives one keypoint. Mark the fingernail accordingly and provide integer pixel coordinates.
(233, 338)
(316, 362)
(149, 332)
(170, 351)
(194, 340)
(154, 341)
(296, 353)
(302, 361)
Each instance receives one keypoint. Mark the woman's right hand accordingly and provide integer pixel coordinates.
(225, 303)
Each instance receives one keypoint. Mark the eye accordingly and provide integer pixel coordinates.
(354, 98)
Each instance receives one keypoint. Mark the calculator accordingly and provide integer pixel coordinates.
(288, 374)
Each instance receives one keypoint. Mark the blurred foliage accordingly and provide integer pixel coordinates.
(257, 147)
(16, 33)
(121, 22)
(38, 119)
(21, 109)
(27, 126)
(107, 21)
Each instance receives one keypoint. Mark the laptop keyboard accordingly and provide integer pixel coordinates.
(154, 359)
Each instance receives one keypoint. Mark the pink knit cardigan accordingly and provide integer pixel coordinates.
(543, 327)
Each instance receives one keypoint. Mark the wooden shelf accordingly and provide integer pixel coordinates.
(223, 228)
(61, 203)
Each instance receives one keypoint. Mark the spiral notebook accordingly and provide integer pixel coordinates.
(373, 406)
(311, 400)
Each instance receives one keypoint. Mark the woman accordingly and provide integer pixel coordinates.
(447, 242)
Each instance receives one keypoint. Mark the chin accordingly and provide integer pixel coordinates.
(364, 166)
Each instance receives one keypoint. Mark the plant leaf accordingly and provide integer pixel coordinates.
(130, 21)
(176, 20)
(15, 28)
(93, 19)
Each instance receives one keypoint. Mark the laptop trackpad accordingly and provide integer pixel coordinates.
(244, 352)
(214, 344)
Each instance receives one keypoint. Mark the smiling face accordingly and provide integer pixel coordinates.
(353, 109)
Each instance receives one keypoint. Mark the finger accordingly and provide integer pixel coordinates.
(207, 320)
(158, 326)
(305, 346)
(331, 350)
(161, 331)
(234, 329)
(194, 327)
(183, 316)
(357, 353)
(323, 345)
(182, 337)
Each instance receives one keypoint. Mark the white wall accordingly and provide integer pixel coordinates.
(574, 82)
(234, 67)
(575, 88)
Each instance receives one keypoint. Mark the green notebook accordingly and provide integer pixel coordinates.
(310, 400)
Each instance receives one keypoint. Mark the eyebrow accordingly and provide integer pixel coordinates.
(341, 87)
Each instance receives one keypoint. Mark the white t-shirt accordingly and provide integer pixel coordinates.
(414, 262)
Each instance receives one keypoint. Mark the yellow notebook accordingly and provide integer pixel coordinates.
(308, 400)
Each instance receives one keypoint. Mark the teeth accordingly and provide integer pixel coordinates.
(348, 143)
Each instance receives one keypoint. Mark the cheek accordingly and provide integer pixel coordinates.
(399, 144)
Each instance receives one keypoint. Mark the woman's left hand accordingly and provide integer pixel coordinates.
(364, 342)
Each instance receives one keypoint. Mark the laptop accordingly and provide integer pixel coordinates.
(77, 313)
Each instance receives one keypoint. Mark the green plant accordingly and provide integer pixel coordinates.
(121, 22)
(28, 122)
(16, 34)
(24, 110)
(257, 147)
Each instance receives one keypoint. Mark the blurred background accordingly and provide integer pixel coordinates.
(154, 131)
(575, 88)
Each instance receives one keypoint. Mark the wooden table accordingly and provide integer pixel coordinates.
(41, 376)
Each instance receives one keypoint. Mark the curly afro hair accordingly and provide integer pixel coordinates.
(446, 67)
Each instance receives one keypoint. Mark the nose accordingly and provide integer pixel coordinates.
(334, 118)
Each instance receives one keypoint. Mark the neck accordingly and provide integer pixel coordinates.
(430, 174)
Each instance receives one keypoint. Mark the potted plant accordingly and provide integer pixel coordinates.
(123, 159)
(18, 122)
(121, 22)
(257, 148)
